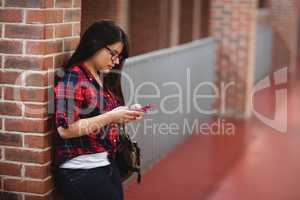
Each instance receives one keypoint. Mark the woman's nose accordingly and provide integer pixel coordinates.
(116, 61)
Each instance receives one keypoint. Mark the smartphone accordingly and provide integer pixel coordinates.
(146, 108)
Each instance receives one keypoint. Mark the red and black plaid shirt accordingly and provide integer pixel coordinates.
(78, 95)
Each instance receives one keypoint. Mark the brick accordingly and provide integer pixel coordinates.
(29, 3)
(26, 94)
(284, 17)
(30, 186)
(49, 3)
(10, 77)
(24, 31)
(230, 23)
(70, 44)
(34, 141)
(10, 169)
(43, 197)
(30, 156)
(60, 60)
(73, 15)
(44, 16)
(63, 30)
(63, 3)
(42, 48)
(20, 62)
(27, 125)
(8, 108)
(76, 29)
(10, 47)
(11, 15)
(10, 139)
(36, 79)
(77, 4)
(49, 31)
(38, 172)
(36, 111)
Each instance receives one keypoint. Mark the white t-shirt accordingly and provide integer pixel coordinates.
(87, 161)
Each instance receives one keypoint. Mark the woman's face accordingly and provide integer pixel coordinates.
(105, 59)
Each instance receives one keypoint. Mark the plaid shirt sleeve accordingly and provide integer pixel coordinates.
(68, 100)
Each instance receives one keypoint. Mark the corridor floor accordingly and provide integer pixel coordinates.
(256, 162)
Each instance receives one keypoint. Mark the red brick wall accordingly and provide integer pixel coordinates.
(285, 21)
(233, 24)
(37, 36)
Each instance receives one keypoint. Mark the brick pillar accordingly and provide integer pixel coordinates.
(36, 38)
(298, 32)
(149, 25)
(233, 24)
(94, 10)
(285, 22)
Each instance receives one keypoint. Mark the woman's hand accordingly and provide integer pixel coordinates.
(137, 107)
(123, 114)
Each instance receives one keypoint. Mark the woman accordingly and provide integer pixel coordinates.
(89, 107)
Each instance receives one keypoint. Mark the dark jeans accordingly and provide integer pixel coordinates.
(100, 183)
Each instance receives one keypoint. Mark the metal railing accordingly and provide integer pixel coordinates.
(179, 71)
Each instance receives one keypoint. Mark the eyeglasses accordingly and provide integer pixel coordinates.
(114, 54)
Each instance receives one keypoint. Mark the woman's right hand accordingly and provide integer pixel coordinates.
(123, 114)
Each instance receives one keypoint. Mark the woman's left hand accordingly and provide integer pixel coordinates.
(137, 107)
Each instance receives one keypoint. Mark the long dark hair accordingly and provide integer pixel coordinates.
(97, 36)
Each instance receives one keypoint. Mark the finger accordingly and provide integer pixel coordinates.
(130, 117)
(137, 113)
(140, 114)
(129, 120)
(138, 118)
